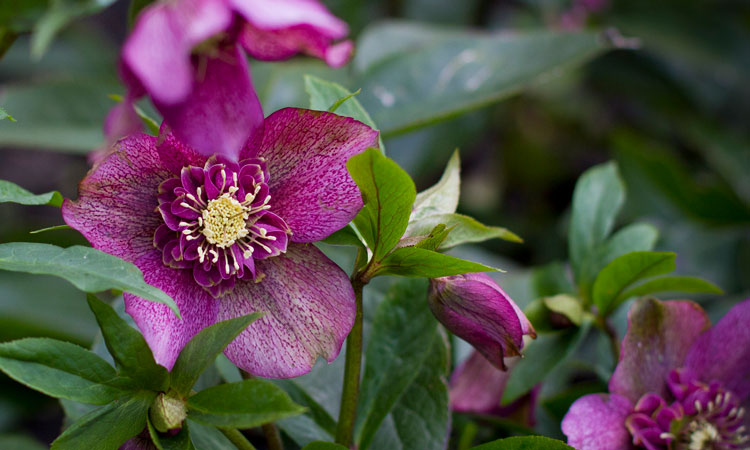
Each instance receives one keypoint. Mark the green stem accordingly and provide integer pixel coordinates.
(273, 438)
(352, 371)
(237, 438)
(614, 341)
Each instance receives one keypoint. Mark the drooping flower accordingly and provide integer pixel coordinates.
(226, 237)
(680, 384)
(185, 54)
(473, 307)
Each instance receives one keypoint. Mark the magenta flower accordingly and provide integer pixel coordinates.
(185, 54)
(473, 307)
(226, 238)
(680, 384)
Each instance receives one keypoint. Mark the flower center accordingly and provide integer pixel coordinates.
(224, 221)
(702, 435)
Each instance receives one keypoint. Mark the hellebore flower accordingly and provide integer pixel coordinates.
(680, 384)
(473, 307)
(185, 54)
(226, 238)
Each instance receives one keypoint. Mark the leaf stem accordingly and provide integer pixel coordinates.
(238, 439)
(352, 371)
(273, 438)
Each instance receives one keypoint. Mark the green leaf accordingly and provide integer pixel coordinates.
(201, 351)
(456, 72)
(387, 193)
(441, 198)
(128, 348)
(89, 270)
(436, 237)
(525, 443)
(108, 427)
(315, 411)
(566, 305)
(4, 114)
(228, 405)
(344, 236)
(550, 279)
(60, 369)
(541, 357)
(626, 270)
(10, 192)
(180, 441)
(59, 15)
(402, 329)
(321, 445)
(205, 437)
(227, 370)
(423, 263)
(329, 96)
(669, 284)
(52, 228)
(598, 197)
(464, 229)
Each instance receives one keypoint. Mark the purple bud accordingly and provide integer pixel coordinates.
(473, 307)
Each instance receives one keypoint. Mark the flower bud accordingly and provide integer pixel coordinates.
(167, 413)
(473, 307)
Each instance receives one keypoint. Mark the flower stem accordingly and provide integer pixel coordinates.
(352, 371)
(237, 438)
(273, 438)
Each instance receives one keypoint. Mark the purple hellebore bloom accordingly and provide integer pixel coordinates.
(185, 54)
(680, 384)
(226, 238)
(473, 307)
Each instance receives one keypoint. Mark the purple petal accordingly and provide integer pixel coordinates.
(274, 45)
(597, 422)
(657, 341)
(307, 153)
(158, 50)
(723, 352)
(309, 306)
(222, 111)
(164, 332)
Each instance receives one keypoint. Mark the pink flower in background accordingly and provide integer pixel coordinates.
(680, 384)
(230, 235)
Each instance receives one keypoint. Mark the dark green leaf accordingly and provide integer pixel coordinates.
(201, 351)
(128, 348)
(615, 278)
(60, 369)
(344, 236)
(246, 404)
(108, 427)
(10, 192)
(525, 443)
(436, 237)
(550, 279)
(88, 269)
(669, 284)
(442, 198)
(422, 263)
(321, 445)
(598, 197)
(387, 193)
(4, 114)
(464, 229)
(180, 441)
(59, 14)
(205, 437)
(20, 442)
(315, 410)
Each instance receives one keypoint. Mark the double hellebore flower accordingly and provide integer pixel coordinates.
(185, 54)
(679, 385)
(225, 237)
(473, 307)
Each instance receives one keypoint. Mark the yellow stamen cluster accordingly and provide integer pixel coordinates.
(225, 221)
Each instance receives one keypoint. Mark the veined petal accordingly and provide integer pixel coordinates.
(222, 111)
(723, 352)
(309, 306)
(306, 153)
(658, 339)
(274, 45)
(597, 422)
(158, 50)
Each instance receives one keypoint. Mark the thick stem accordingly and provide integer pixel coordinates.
(273, 438)
(237, 438)
(350, 393)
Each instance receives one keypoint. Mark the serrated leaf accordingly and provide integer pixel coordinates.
(60, 369)
(423, 263)
(227, 405)
(387, 193)
(108, 427)
(615, 278)
(128, 348)
(525, 443)
(4, 114)
(441, 198)
(669, 284)
(89, 270)
(597, 198)
(12, 193)
(321, 445)
(201, 351)
(464, 230)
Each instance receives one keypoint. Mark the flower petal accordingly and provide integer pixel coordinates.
(277, 14)
(309, 306)
(158, 50)
(597, 422)
(658, 338)
(306, 153)
(164, 332)
(723, 352)
(222, 111)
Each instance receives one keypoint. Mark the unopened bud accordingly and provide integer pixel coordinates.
(167, 413)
